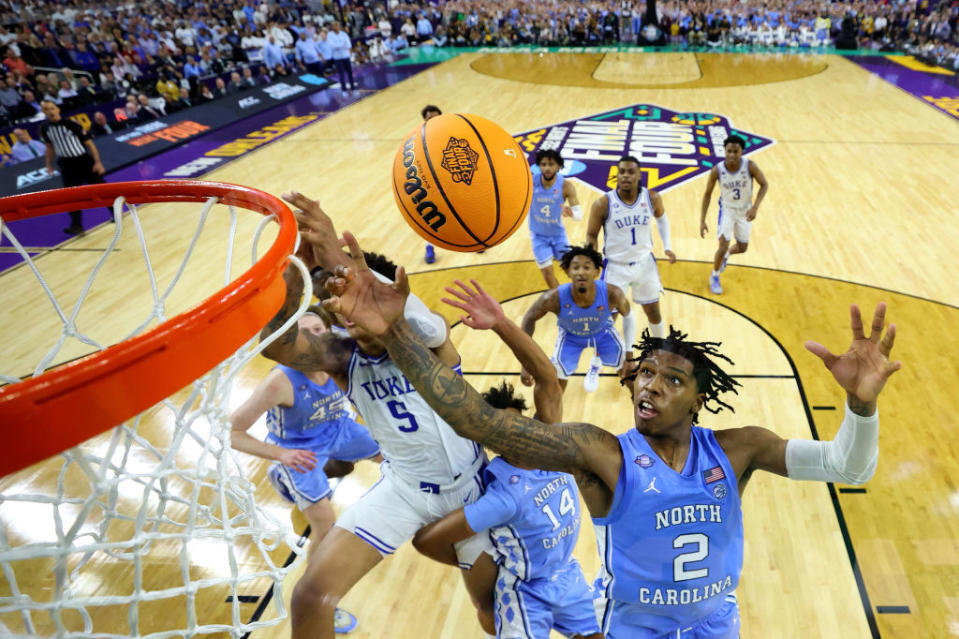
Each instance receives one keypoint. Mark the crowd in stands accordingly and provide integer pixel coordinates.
(156, 56)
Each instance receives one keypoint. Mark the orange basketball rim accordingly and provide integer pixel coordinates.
(50, 413)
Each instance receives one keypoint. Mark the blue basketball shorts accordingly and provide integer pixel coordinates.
(609, 346)
(620, 622)
(530, 609)
(547, 248)
(352, 443)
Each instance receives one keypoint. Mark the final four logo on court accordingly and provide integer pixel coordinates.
(671, 146)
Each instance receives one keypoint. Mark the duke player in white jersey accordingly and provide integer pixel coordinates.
(625, 215)
(657, 548)
(737, 210)
(312, 437)
(429, 469)
(532, 515)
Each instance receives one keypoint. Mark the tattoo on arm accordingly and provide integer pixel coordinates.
(278, 350)
(560, 447)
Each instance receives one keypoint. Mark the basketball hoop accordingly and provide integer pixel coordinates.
(104, 395)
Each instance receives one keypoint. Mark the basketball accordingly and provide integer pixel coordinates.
(462, 182)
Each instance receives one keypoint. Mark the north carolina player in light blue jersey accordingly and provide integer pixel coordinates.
(676, 380)
(737, 209)
(532, 515)
(311, 437)
(583, 310)
(547, 210)
(626, 215)
(428, 470)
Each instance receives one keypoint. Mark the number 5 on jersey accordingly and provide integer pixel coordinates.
(398, 410)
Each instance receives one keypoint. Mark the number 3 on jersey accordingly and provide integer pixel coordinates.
(398, 410)
(566, 506)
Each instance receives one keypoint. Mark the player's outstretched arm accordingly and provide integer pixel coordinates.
(597, 217)
(707, 195)
(851, 457)
(435, 540)
(274, 390)
(484, 312)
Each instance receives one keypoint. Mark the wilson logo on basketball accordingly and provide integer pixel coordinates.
(460, 160)
(414, 188)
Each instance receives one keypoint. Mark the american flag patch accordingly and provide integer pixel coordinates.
(714, 474)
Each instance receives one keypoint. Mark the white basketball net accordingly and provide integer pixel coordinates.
(123, 501)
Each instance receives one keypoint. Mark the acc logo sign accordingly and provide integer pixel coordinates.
(33, 177)
(672, 146)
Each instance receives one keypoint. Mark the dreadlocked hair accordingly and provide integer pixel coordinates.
(711, 380)
(502, 397)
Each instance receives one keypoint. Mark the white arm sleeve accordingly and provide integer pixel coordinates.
(429, 326)
(577, 212)
(663, 224)
(629, 331)
(850, 458)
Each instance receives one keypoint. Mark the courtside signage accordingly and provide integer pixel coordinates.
(672, 146)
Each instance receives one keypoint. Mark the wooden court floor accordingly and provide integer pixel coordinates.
(861, 208)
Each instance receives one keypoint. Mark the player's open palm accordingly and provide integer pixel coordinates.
(299, 460)
(862, 370)
(482, 310)
(362, 299)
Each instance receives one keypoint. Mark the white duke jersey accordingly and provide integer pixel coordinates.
(627, 228)
(735, 189)
(415, 441)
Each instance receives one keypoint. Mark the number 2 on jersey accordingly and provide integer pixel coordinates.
(398, 410)
(680, 571)
(566, 506)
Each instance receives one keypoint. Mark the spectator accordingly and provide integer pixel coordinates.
(86, 92)
(166, 87)
(306, 54)
(146, 112)
(205, 94)
(273, 55)
(9, 97)
(191, 69)
(236, 83)
(424, 29)
(439, 38)
(341, 47)
(30, 107)
(25, 148)
(14, 62)
(101, 126)
(248, 80)
(219, 89)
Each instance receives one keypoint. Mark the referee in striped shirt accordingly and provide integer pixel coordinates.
(75, 153)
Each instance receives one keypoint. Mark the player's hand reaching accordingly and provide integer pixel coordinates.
(862, 370)
(671, 256)
(703, 228)
(525, 377)
(361, 298)
(567, 212)
(299, 460)
(483, 312)
(315, 225)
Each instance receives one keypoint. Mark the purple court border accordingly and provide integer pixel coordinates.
(938, 90)
(46, 232)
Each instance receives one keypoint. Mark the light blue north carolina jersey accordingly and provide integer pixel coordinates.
(546, 209)
(532, 516)
(316, 415)
(672, 544)
(584, 322)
